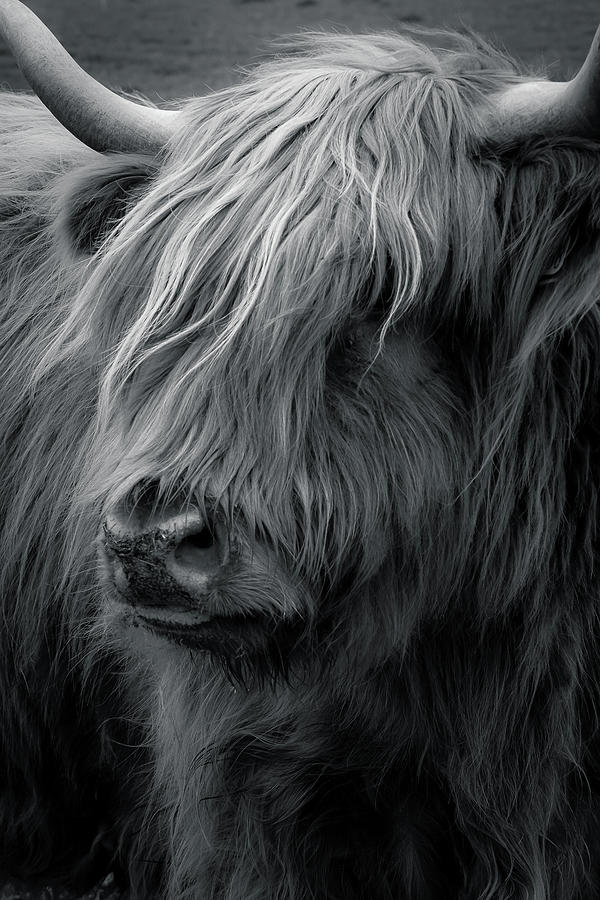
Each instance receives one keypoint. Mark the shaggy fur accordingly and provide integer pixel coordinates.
(331, 315)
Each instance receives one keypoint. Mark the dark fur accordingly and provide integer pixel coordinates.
(330, 312)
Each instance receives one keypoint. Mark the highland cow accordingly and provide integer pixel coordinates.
(300, 477)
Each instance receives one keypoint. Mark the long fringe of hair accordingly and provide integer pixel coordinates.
(442, 521)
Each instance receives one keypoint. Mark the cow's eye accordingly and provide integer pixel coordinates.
(344, 346)
(351, 339)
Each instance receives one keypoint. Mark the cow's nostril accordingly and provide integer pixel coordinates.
(202, 540)
(197, 551)
(195, 560)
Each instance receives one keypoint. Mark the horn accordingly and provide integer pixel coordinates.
(549, 107)
(100, 118)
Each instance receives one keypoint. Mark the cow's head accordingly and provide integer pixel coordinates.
(310, 300)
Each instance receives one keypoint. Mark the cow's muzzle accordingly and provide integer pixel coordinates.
(200, 580)
(170, 559)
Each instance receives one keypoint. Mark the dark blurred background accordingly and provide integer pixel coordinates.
(174, 48)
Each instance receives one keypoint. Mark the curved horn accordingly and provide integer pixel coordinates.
(100, 118)
(550, 107)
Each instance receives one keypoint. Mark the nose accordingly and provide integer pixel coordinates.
(164, 557)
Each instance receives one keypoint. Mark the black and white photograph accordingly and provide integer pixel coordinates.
(299, 450)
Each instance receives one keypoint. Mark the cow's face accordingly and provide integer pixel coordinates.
(378, 456)
(282, 427)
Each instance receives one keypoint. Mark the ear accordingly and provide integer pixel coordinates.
(95, 198)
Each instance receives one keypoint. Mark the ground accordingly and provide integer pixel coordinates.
(17, 890)
(174, 48)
